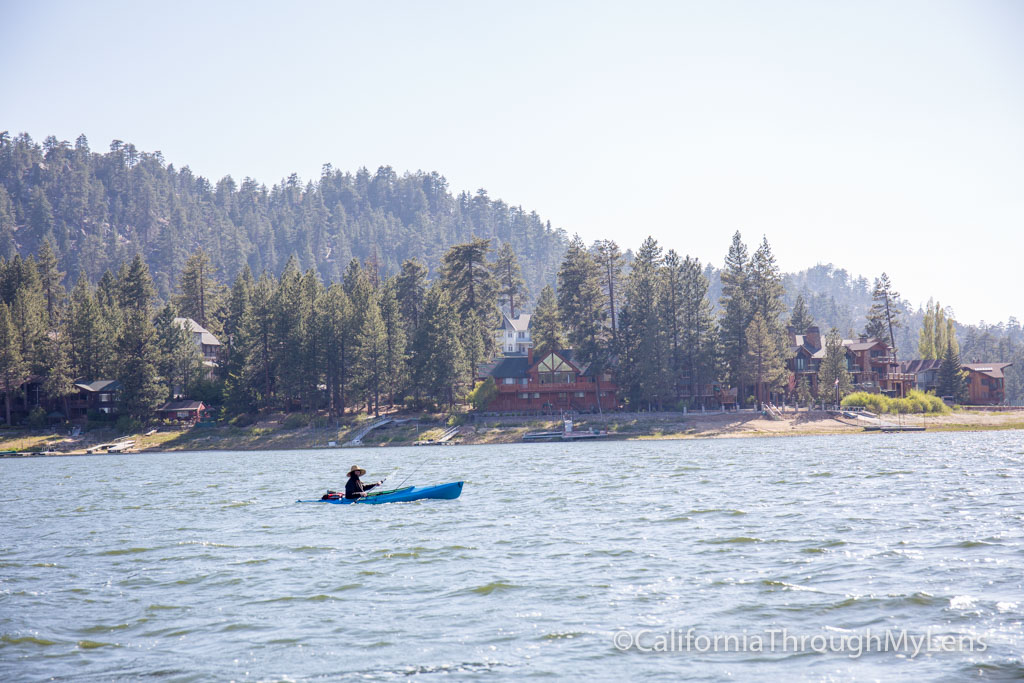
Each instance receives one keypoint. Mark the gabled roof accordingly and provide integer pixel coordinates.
(511, 366)
(521, 323)
(97, 385)
(920, 365)
(174, 406)
(994, 370)
(192, 326)
(858, 345)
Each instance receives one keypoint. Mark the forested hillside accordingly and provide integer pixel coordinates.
(99, 209)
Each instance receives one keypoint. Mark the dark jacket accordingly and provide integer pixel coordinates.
(355, 488)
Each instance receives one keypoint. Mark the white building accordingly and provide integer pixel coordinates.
(513, 336)
(209, 345)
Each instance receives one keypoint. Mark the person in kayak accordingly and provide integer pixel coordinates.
(354, 488)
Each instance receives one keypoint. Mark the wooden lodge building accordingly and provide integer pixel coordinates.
(550, 383)
(986, 383)
(870, 361)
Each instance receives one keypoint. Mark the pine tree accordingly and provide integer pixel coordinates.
(671, 298)
(885, 314)
(512, 292)
(581, 303)
(200, 291)
(609, 260)
(395, 353)
(699, 329)
(439, 362)
(135, 286)
(641, 337)
(92, 337)
(737, 312)
(800, 319)
(138, 358)
(833, 370)
(764, 359)
(371, 355)
(58, 380)
(471, 286)
(803, 392)
(546, 325)
(12, 366)
(411, 288)
(952, 377)
(179, 359)
(334, 313)
(238, 305)
(50, 279)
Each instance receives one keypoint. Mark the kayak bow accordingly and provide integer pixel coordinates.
(410, 493)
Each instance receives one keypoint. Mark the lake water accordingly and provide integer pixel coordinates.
(199, 566)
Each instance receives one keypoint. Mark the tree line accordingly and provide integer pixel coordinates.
(98, 209)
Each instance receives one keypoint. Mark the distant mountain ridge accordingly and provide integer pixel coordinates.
(100, 208)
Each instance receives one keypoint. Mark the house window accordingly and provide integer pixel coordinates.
(603, 394)
(536, 394)
(801, 363)
(524, 380)
(561, 394)
(508, 380)
(522, 335)
(104, 398)
(580, 394)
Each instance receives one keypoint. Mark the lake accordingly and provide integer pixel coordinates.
(558, 560)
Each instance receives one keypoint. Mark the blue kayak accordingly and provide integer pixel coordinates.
(409, 493)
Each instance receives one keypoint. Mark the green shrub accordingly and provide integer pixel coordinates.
(128, 425)
(456, 420)
(915, 402)
(295, 420)
(244, 420)
(37, 418)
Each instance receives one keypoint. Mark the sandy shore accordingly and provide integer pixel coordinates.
(271, 434)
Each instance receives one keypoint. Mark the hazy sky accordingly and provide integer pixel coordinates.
(875, 136)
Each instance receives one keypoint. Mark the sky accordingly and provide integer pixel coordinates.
(877, 136)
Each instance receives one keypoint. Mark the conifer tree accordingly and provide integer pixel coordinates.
(833, 370)
(512, 292)
(581, 303)
(763, 356)
(952, 377)
(335, 315)
(12, 366)
(58, 379)
(885, 314)
(641, 336)
(439, 362)
(138, 358)
(545, 325)
(238, 305)
(699, 329)
(411, 288)
(135, 286)
(200, 291)
(609, 259)
(470, 284)
(50, 280)
(92, 338)
(737, 312)
(371, 354)
(395, 353)
(179, 360)
(800, 319)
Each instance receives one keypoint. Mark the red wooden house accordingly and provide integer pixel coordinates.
(985, 385)
(553, 382)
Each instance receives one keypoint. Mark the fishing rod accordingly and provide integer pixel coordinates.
(410, 474)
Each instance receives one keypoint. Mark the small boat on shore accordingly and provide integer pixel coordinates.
(408, 494)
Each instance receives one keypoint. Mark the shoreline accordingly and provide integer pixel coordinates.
(270, 435)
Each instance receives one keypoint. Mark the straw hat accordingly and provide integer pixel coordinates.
(357, 470)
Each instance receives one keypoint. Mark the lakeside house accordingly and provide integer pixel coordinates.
(97, 396)
(206, 342)
(182, 411)
(870, 361)
(513, 334)
(986, 383)
(553, 382)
